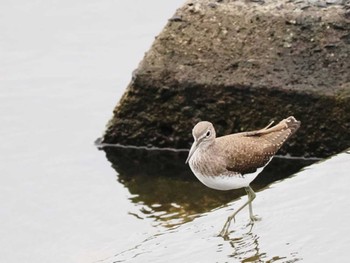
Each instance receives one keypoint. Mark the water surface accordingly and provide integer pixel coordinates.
(64, 66)
(303, 218)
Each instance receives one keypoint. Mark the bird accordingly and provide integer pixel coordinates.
(233, 161)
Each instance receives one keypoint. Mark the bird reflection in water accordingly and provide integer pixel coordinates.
(164, 189)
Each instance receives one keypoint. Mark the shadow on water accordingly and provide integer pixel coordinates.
(165, 189)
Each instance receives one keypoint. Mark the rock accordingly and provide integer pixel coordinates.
(241, 65)
(176, 18)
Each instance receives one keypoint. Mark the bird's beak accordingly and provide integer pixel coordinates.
(192, 150)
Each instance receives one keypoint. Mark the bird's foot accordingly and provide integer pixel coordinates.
(224, 232)
(255, 218)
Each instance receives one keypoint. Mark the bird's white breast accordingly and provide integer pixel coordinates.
(224, 181)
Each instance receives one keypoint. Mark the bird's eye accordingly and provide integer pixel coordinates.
(208, 133)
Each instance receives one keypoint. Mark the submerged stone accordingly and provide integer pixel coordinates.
(240, 65)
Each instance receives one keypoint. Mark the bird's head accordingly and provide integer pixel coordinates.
(204, 135)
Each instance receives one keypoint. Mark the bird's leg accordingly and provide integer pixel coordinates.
(224, 230)
(251, 197)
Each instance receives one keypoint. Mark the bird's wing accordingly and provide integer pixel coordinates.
(246, 152)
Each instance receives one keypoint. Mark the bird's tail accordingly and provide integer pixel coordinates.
(279, 133)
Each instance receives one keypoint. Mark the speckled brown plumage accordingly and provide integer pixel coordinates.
(239, 153)
(247, 151)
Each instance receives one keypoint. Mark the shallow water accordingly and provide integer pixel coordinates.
(303, 218)
(63, 68)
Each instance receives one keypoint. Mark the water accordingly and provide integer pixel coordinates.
(303, 218)
(64, 66)
(179, 196)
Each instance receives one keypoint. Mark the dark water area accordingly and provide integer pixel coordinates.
(167, 190)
